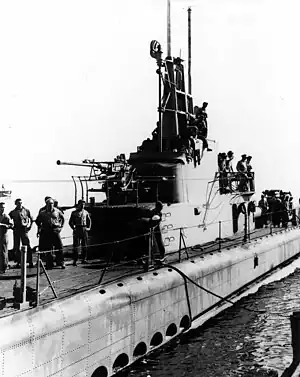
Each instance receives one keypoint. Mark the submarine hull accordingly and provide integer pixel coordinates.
(98, 332)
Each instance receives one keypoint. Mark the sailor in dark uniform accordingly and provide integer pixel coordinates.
(201, 119)
(242, 171)
(81, 223)
(250, 174)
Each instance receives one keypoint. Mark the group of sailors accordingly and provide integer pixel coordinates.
(192, 142)
(243, 172)
(275, 208)
(49, 222)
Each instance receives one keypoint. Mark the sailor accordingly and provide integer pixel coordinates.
(278, 209)
(201, 117)
(5, 224)
(196, 145)
(81, 223)
(23, 221)
(50, 223)
(241, 165)
(248, 164)
(242, 170)
(155, 220)
(45, 206)
(291, 206)
(249, 173)
(228, 162)
(272, 206)
(284, 214)
(222, 162)
(263, 205)
(223, 182)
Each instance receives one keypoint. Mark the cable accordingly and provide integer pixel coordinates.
(186, 277)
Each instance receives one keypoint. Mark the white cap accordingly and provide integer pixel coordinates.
(155, 217)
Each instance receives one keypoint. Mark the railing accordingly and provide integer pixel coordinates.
(110, 271)
(141, 187)
(230, 182)
(149, 188)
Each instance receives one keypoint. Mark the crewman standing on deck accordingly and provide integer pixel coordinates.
(23, 220)
(80, 222)
(50, 223)
(155, 220)
(5, 224)
(45, 206)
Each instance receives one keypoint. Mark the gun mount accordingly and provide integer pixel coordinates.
(119, 182)
(85, 163)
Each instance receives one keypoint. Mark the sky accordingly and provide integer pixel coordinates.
(77, 81)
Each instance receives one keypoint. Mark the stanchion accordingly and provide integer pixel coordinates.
(150, 248)
(137, 193)
(23, 304)
(271, 229)
(179, 249)
(106, 267)
(184, 244)
(220, 234)
(48, 278)
(38, 268)
(245, 227)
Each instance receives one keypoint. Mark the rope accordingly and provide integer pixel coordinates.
(187, 278)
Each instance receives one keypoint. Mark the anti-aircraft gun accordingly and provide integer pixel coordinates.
(112, 178)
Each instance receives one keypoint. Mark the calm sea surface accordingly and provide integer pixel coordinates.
(237, 342)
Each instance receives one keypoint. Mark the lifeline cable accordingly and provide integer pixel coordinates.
(186, 277)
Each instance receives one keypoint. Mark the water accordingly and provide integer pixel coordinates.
(237, 342)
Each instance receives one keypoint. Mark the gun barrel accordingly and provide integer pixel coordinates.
(58, 162)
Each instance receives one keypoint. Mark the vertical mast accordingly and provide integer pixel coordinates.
(189, 51)
(169, 28)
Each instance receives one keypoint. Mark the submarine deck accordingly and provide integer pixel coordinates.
(73, 279)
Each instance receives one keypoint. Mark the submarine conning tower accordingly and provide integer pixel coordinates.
(177, 165)
(172, 144)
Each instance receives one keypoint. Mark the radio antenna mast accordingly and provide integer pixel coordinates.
(189, 51)
(169, 28)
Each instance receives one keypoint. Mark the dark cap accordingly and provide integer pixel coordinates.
(244, 155)
(18, 200)
(249, 157)
(230, 153)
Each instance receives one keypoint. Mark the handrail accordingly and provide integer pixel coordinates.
(147, 260)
